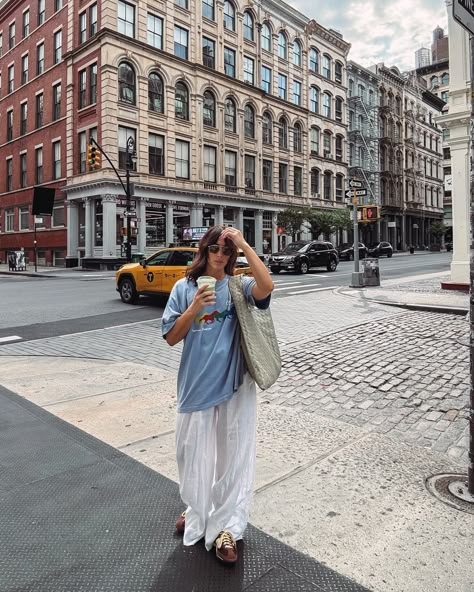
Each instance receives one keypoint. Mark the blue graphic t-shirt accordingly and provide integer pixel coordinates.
(212, 364)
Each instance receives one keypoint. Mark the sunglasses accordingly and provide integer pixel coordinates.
(226, 251)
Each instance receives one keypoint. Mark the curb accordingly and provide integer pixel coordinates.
(27, 274)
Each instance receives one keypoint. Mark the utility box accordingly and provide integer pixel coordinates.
(370, 271)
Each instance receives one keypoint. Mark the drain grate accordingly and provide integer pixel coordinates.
(442, 487)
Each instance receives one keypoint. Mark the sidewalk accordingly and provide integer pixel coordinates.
(370, 404)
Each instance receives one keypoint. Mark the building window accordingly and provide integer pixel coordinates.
(210, 164)
(297, 138)
(339, 104)
(11, 78)
(24, 118)
(155, 93)
(24, 69)
(248, 70)
(249, 172)
(182, 159)
(9, 217)
(297, 53)
(56, 160)
(445, 96)
(93, 84)
(326, 105)
(248, 26)
(58, 216)
(41, 12)
(92, 20)
(126, 19)
(339, 187)
(26, 23)
(297, 180)
(156, 154)
(125, 158)
(82, 27)
(23, 175)
(282, 46)
(39, 110)
(39, 165)
(230, 116)
(40, 59)
(283, 133)
(266, 37)
(314, 141)
(230, 169)
(267, 125)
(229, 62)
(10, 174)
(181, 42)
(282, 86)
(82, 88)
(326, 66)
(181, 101)
(10, 125)
(155, 31)
(1, 45)
(282, 178)
(296, 92)
(314, 99)
(338, 72)
(229, 16)
(58, 4)
(24, 212)
(209, 109)
(56, 101)
(267, 175)
(339, 149)
(445, 78)
(82, 152)
(208, 9)
(209, 53)
(313, 60)
(58, 40)
(11, 36)
(327, 185)
(126, 81)
(315, 182)
(266, 79)
(182, 3)
(249, 122)
(327, 144)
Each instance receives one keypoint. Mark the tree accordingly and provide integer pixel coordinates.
(437, 230)
(291, 219)
(320, 222)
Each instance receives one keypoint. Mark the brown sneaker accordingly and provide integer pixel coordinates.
(226, 547)
(180, 523)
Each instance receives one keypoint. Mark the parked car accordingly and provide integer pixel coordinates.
(449, 246)
(380, 249)
(346, 251)
(302, 256)
(156, 275)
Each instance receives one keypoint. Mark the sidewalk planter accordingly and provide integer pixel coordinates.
(370, 272)
(412, 250)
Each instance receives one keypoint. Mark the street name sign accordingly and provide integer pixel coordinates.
(131, 213)
(353, 184)
(350, 193)
(463, 13)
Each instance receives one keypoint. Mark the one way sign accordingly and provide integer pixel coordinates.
(353, 184)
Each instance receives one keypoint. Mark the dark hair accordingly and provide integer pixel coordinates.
(198, 266)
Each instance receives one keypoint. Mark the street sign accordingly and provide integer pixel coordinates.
(131, 213)
(122, 201)
(350, 193)
(353, 184)
(463, 13)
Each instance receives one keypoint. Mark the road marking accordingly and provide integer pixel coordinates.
(10, 338)
(312, 290)
(291, 286)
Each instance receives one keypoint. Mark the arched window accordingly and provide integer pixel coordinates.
(267, 131)
(445, 78)
(326, 66)
(398, 105)
(351, 88)
(327, 144)
(229, 16)
(283, 133)
(297, 53)
(314, 141)
(339, 187)
(327, 185)
(181, 101)
(338, 72)
(313, 60)
(155, 93)
(248, 26)
(229, 116)
(314, 99)
(297, 138)
(339, 103)
(339, 147)
(249, 122)
(434, 81)
(327, 105)
(315, 182)
(126, 81)
(282, 46)
(209, 109)
(266, 37)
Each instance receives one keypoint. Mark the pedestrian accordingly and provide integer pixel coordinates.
(216, 419)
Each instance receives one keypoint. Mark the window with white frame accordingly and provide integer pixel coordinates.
(315, 182)
(182, 159)
(23, 118)
(229, 62)
(57, 43)
(126, 18)
(124, 134)
(24, 216)
(297, 53)
(58, 215)
(229, 16)
(92, 20)
(249, 172)
(92, 84)
(282, 86)
(156, 154)
(210, 155)
(248, 70)
(11, 78)
(326, 66)
(248, 26)
(41, 12)
(26, 24)
(155, 31)
(314, 99)
(266, 37)
(282, 46)
(24, 69)
(56, 101)
(326, 105)
(230, 168)
(40, 59)
(208, 9)
(9, 217)
(39, 165)
(297, 180)
(282, 177)
(11, 36)
(9, 174)
(296, 92)
(83, 27)
(314, 140)
(23, 173)
(267, 174)
(266, 79)
(180, 42)
(57, 160)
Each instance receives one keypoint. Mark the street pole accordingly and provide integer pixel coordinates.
(36, 249)
(470, 471)
(130, 153)
(357, 280)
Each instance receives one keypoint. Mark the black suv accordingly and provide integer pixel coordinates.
(379, 249)
(346, 251)
(302, 256)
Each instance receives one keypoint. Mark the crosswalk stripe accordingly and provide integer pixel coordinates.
(312, 290)
(10, 338)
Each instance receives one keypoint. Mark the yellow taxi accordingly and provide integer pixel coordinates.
(156, 275)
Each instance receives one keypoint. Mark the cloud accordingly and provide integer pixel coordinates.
(387, 32)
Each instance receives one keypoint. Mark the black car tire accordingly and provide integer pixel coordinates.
(275, 270)
(127, 290)
(332, 265)
(303, 267)
(389, 254)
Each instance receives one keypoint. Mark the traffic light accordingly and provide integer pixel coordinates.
(93, 156)
(369, 213)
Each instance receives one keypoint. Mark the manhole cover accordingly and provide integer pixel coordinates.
(452, 490)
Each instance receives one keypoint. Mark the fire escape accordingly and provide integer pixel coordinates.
(391, 155)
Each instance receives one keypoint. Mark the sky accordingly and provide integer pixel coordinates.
(380, 31)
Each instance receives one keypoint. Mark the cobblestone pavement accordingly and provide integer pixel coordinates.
(432, 285)
(407, 376)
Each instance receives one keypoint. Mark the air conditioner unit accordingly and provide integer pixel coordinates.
(316, 195)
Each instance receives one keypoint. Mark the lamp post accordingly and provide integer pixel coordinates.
(131, 159)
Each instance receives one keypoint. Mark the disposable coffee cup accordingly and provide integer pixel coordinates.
(209, 280)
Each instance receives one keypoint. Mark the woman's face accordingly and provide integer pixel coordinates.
(218, 260)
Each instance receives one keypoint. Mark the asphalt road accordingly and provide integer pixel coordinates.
(74, 302)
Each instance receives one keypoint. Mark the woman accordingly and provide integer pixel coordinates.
(216, 422)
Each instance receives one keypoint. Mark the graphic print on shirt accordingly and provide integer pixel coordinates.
(204, 318)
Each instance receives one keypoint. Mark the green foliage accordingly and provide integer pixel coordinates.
(327, 222)
(438, 229)
(291, 219)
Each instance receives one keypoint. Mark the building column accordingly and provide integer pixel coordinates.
(169, 223)
(109, 221)
(141, 213)
(274, 232)
(259, 232)
(89, 226)
(72, 229)
(219, 214)
(196, 215)
(240, 219)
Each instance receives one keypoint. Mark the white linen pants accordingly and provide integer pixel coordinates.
(215, 450)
